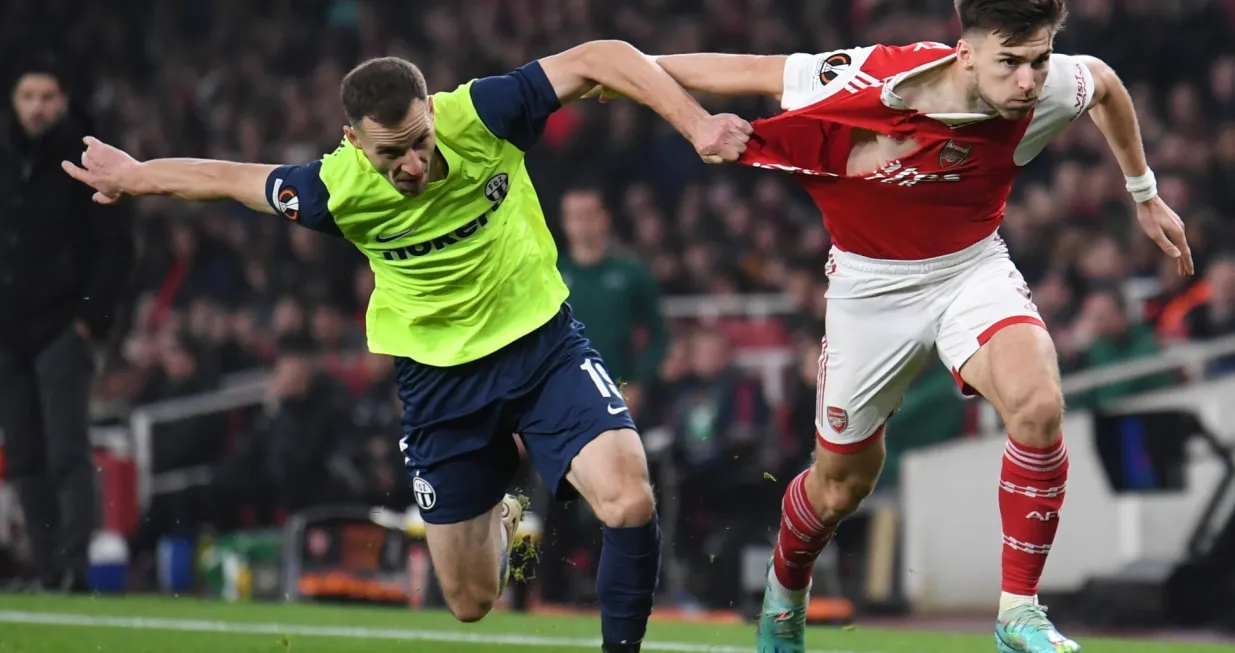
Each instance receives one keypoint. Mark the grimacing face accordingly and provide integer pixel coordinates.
(402, 152)
(1007, 78)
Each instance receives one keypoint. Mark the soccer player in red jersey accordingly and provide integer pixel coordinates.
(911, 152)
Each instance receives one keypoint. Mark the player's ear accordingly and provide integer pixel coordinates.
(965, 54)
(352, 136)
(430, 103)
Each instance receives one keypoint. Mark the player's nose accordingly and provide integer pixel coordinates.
(413, 167)
(1025, 80)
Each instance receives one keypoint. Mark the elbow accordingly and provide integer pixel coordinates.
(596, 58)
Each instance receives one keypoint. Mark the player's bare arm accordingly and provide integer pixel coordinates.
(113, 174)
(727, 74)
(619, 66)
(1112, 111)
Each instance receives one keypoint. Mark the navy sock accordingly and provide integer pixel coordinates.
(626, 581)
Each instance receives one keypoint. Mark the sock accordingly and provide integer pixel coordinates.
(802, 538)
(626, 580)
(1031, 484)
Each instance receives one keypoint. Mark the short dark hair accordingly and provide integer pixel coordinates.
(42, 63)
(381, 90)
(1015, 20)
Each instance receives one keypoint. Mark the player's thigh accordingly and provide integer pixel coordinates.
(582, 441)
(466, 559)
(452, 486)
(994, 340)
(874, 349)
(458, 494)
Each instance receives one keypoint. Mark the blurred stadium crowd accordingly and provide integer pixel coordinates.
(220, 290)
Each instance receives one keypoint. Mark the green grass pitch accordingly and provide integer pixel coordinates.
(39, 624)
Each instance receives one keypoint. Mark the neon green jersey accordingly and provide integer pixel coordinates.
(466, 267)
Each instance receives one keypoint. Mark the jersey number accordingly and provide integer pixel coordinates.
(600, 378)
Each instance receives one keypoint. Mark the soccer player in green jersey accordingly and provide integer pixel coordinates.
(433, 190)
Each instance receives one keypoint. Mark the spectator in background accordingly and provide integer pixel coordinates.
(1102, 336)
(64, 264)
(305, 415)
(725, 442)
(614, 296)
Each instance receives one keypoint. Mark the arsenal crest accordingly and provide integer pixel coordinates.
(952, 155)
(838, 419)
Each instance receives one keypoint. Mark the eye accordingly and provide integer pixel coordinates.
(1041, 63)
(1009, 63)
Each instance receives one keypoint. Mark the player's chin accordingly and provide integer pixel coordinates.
(410, 187)
(1016, 111)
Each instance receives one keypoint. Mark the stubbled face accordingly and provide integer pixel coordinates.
(402, 152)
(1007, 79)
(39, 102)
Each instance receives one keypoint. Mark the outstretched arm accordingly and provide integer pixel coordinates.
(728, 74)
(1112, 111)
(619, 66)
(294, 191)
(113, 174)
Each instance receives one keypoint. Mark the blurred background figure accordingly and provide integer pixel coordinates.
(612, 294)
(64, 268)
(704, 287)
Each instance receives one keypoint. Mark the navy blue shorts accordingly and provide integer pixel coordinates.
(549, 387)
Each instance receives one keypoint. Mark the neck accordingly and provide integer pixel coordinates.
(587, 253)
(943, 90)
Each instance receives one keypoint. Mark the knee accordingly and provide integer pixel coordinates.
(471, 604)
(836, 495)
(633, 506)
(1035, 420)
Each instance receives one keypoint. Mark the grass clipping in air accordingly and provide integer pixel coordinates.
(524, 554)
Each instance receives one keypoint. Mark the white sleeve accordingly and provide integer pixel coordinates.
(810, 78)
(1068, 92)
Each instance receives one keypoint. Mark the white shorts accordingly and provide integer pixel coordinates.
(885, 318)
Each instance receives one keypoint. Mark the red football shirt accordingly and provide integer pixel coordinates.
(947, 194)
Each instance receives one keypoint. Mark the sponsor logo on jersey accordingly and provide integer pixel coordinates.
(838, 419)
(833, 66)
(285, 200)
(1082, 91)
(952, 155)
(426, 496)
(895, 172)
(384, 238)
(495, 191)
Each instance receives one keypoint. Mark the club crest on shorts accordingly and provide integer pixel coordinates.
(952, 155)
(838, 419)
(426, 496)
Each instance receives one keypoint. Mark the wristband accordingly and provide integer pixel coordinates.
(1144, 187)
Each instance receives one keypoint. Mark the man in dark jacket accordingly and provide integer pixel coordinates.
(64, 262)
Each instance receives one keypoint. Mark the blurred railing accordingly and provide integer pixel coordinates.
(248, 389)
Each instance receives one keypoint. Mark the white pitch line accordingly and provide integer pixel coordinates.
(198, 626)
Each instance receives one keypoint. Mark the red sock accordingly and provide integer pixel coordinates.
(1031, 486)
(802, 537)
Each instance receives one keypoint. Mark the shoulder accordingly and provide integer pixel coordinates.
(810, 78)
(1069, 87)
(300, 194)
(1067, 94)
(512, 107)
